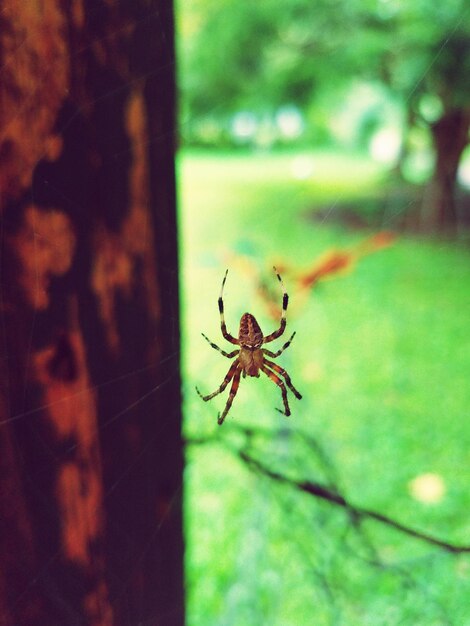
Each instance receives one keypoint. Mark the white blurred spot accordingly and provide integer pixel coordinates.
(385, 145)
(427, 488)
(464, 170)
(244, 125)
(302, 167)
(290, 122)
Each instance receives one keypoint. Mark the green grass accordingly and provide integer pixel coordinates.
(382, 357)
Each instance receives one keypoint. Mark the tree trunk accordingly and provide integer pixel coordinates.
(90, 424)
(450, 136)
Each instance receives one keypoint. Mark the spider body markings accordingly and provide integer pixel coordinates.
(250, 356)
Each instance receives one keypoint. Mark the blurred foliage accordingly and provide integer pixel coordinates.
(260, 57)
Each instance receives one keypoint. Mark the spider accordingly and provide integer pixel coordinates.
(251, 357)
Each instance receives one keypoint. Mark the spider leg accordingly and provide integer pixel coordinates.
(283, 372)
(275, 378)
(229, 355)
(225, 333)
(231, 396)
(273, 355)
(227, 379)
(285, 301)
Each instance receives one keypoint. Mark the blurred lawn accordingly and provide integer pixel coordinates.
(382, 358)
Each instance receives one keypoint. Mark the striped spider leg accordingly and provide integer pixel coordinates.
(250, 356)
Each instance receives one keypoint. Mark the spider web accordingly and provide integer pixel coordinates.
(275, 541)
(245, 599)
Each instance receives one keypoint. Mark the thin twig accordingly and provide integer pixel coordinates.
(320, 491)
(326, 493)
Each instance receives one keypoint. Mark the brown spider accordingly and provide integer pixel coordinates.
(251, 357)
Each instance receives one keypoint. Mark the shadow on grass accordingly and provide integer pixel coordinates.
(400, 209)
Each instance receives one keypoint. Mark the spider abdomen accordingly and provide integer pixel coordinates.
(249, 334)
(251, 361)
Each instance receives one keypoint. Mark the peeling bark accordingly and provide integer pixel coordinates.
(35, 78)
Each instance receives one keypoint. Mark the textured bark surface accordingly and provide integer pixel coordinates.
(91, 463)
(450, 137)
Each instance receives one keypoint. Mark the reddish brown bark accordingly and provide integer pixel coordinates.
(90, 487)
(450, 136)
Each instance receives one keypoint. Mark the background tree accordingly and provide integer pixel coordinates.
(239, 57)
(428, 66)
(91, 464)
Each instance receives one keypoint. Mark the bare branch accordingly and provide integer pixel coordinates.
(329, 493)
(320, 491)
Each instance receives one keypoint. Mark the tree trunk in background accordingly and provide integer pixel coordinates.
(450, 136)
(90, 425)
